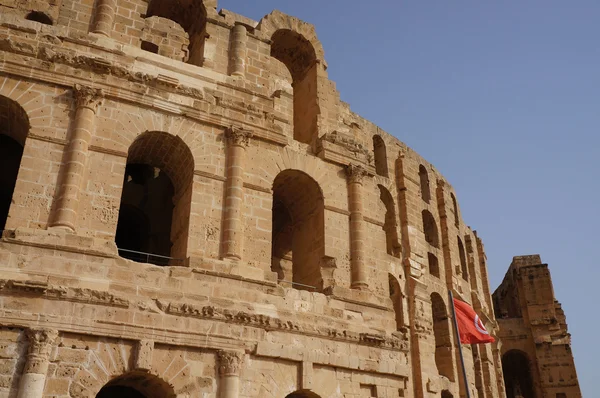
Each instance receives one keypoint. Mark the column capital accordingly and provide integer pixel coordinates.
(230, 362)
(87, 97)
(40, 346)
(237, 136)
(356, 173)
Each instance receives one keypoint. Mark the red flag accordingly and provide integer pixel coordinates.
(470, 326)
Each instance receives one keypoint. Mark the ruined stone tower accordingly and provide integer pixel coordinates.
(189, 210)
(536, 347)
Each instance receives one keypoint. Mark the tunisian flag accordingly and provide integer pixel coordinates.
(470, 326)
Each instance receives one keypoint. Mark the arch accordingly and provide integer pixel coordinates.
(446, 394)
(463, 259)
(298, 55)
(434, 266)
(302, 394)
(393, 246)
(14, 128)
(277, 20)
(136, 385)
(424, 181)
(40, 17)
(184, 37)
(430, 229)
(157, 192)
(379, 151)
(518, 379)
(455, 207)
(396, 297)
(298, 230)
(443, 337)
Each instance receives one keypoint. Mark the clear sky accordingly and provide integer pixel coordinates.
(503, 97)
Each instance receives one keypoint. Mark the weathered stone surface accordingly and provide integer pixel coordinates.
(195, 212)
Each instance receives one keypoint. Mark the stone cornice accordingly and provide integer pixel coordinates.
(143, 89)
(52, 292)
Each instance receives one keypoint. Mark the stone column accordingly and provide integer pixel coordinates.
(33, 379)
(237, 58)
(105, 17)
(356, 175)
(73, 169)
(229, 373)
(237, 141)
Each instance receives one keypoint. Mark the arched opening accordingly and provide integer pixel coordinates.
(430, 229)
(518, 379)
(14, 127)
(302, 394)
(381, 166)
(393, 246)
(396, 296)
(40, 17)
(443, 338)
(463, 259)
(424, 180)
(136, 385)
(154, 213)
(298, 56)
(455, 207)
(176, 29)
(298, 230)
(446, 394)
(434, 266)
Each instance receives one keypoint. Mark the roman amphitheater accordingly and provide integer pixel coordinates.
(189, 210)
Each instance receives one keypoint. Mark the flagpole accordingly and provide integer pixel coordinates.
(462, 360)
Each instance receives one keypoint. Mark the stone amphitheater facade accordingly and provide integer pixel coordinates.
(189, 210)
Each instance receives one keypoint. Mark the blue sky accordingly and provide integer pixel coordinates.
(503, 98)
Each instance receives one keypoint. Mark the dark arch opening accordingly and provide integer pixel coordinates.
(455, 207)
(298, 230)
(396, 297)
(518, 379)
(424, 181)
(463, 259)
(434, 266)
(136, 385)
(153, 223)
(302, 394)
(119, 392)
(381, 166)
(430, 229)
(298, 55)
(186, 45)
(446, 394)
(443, 337)
(40, 17)
(393, 246)
(14, 127)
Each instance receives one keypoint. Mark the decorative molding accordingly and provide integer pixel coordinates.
(349, 143)
(258, 188)
(209, 175)
(238, 136)
(271, 323)
(52, 292)
(87, 97)
(356, 174)
(229, 363)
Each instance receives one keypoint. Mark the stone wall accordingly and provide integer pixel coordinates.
(242, 119)
(536, 345)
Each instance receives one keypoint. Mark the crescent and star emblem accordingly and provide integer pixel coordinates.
(479, 325)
